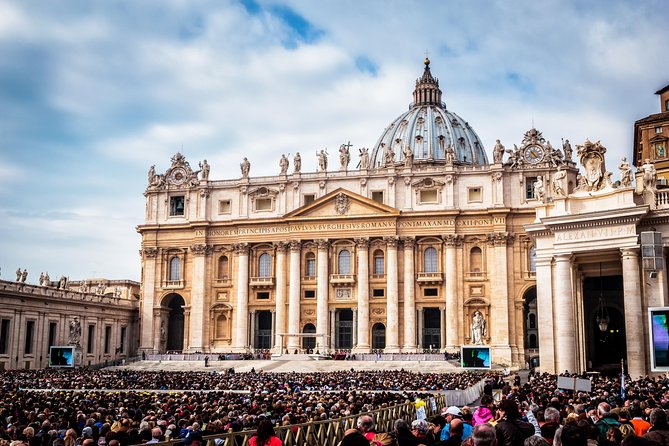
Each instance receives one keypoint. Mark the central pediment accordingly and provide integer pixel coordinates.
(345, 204)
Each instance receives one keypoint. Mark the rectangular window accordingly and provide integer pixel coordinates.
(30, 332)
(428, 196)
(379, 292)
(177, 205)
(309, 294)
(430, 292)
(379, 267)
(529, 188)
(474, 194)
(4, 336)
(121, 348)
(377, 196)
(91, 339)
(264, 204)
(658, 129)
(263, 295)
(309, 198)
(107, 339)
(224, 207)
(53, 326)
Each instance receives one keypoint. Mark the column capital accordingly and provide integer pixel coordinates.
(543, 261)
(200, 249)
(566, 257)
(630, 252)
(241, 248)
(391, 242)
(408, 242)
(280, 246)
(295, 245)
(150, 252)
(453, 240)
(362, 242)
(499, 239)
(323, 244)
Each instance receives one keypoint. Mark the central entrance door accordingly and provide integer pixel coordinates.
(344, 328)
(431, 329)
(263, 338)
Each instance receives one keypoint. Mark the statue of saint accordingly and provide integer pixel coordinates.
(322, 160)
(344, 157)
(649, 175)
(246, 168)
(297, 163)
(364, 158)
(450, 154)
(408, 156)
(75, 332)
(478, 328)
(24, 275)
(62, 283)
(163, 333)
(152, 175)
(558, 182)
(498, 152)
(389, 156)
(625, 173)
(18, 275)
(41, 279)
(539, 192)
(566, 148)
(283, 165)
(46, 281)
(204, 170)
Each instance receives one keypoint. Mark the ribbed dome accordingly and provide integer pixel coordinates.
(428, 129)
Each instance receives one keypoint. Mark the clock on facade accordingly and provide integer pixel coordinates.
(178, 175)
(533, 154)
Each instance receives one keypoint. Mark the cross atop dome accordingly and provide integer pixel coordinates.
(427, 90)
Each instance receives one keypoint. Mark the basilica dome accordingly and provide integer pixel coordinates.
(429, 131)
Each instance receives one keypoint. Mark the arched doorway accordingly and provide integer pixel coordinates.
(175, 322)
(309, 342)
(378, 336)
(531, 327)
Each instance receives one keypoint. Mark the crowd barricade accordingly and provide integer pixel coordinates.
(463, 397)
(326, 432)
(400, 357)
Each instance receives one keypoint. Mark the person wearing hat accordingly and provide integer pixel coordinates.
(451, 413)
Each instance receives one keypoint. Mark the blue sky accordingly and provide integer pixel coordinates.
(92, 93)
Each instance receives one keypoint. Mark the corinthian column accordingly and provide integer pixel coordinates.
(452, 341)
(362, 345)
(280, 314)
(636, 357)
(241, 326)
(500, 303)
(198, 280)
(564, 304)
(545, 315)
(409, 298)
(294, 295)
(148, 341)
(322, 295)
(392, 317)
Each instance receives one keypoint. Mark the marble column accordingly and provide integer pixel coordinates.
(409, 297)
(421, 319)
(280, 309)
(293, 342)
(545, 314)
(564, 305)
(451, 241)
(148, 342)
(498, 327)
(392, 316)
(442, 327)
(636, 354)
(332, 329)
(241, 325)
(322, 295)
(198, 281)
(252, 330)
(355, 327)
(362, 346)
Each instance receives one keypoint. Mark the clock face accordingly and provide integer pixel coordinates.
(533, 154)
(178, 176)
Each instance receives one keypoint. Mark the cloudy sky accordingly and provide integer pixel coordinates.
(94, 92)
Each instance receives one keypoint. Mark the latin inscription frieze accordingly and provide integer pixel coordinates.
(594, 234)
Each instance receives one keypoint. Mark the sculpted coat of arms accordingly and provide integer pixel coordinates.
(342, 203)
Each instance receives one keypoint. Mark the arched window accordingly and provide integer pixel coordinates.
(311, 264)
(532, 341)
(533, 320)
(430, 260)
(475, 260)
(533, 259)
(175, 268)
(223, 267)
(379, 266)
(264, 265)
(344, 262)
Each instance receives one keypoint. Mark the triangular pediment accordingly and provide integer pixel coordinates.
(345, 204)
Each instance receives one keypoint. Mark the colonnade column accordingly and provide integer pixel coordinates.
(148, 342)
(362, 344)
(392, 317)
(333, 315)
(294, 295)
(280, 312)
(564, 304)
(636, 357)
(545, 314)
(355, 327)
(241, 330)
(252, 330)
(409, 297)
(198, 280)
(452, 325)
(322, 295)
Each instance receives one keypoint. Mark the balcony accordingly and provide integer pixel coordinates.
(475, 275)
(342, 279)
(173, 284)
(262, 282)
(430, 278)
(377, 277)
(223, 282)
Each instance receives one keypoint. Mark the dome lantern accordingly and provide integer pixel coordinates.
(427, 90)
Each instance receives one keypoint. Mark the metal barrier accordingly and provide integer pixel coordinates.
(326, 432)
